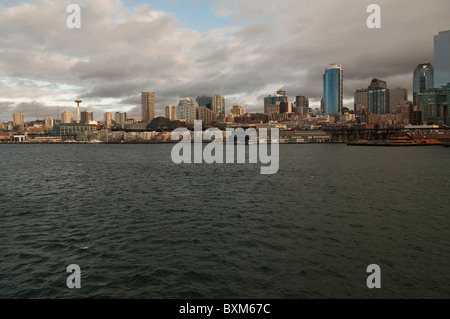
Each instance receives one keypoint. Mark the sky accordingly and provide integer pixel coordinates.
(241, 49)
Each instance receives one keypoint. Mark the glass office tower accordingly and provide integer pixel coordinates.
(333, 89)
(423, 79)
(442, 59)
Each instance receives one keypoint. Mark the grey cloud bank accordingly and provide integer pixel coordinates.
(269, 46)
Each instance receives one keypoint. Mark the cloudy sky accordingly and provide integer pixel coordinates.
(242, 49)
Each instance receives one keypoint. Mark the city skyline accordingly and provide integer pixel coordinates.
(244, 59)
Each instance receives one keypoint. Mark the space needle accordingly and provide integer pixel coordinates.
(78, 101)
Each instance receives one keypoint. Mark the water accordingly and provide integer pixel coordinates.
(140, 226)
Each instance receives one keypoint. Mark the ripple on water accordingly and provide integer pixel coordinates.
(140, 226)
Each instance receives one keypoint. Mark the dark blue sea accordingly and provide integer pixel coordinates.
(140, 226)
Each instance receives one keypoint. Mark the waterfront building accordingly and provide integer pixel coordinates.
(73, 129)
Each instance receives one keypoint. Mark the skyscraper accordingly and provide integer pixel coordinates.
(148, 106)
(378, 97)
(170, 112)
(423, 80)
(218, 104)
(396, 96)
(333, 89)
(442, 59)
(436, 106)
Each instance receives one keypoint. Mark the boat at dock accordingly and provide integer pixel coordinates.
(399, 142)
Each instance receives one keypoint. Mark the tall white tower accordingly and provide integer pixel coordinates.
(78, 101)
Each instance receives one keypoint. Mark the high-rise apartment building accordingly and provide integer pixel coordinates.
(187, 110)
(218, 105)
(423, 80)
(442, 59)
(170, 112)
(148, 106)
(395, 97)
(333, 89)
(18, 119)
(67, 117)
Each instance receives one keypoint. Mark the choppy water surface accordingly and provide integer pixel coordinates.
(140, 226)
